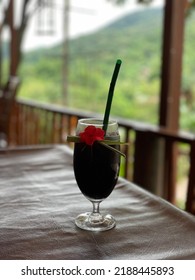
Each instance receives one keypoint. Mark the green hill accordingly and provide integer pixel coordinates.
(135, 39)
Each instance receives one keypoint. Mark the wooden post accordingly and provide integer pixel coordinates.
(174, 18)
(190, 202)
(171, 71)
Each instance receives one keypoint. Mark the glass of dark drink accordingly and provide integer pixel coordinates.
(96, 169)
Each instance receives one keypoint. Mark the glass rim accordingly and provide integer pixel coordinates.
(96, 122)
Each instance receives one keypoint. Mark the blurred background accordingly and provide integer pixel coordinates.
(70, 47)
(63, 53)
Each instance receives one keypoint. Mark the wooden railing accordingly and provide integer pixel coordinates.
(152, 155)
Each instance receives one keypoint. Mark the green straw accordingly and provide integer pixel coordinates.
(110, 94)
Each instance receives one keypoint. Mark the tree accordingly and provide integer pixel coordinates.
(16, 32)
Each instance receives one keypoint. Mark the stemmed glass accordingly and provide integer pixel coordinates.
(96, 169)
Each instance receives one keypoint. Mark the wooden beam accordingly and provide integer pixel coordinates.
(174, 17)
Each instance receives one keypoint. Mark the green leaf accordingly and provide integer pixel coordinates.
(110, 142)
(75, 139)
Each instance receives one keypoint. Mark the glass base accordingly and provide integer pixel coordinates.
(95, 221)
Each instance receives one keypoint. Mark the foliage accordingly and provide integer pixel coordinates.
(136, 40)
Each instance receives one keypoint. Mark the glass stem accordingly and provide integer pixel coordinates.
(96, 207)
(95, 216)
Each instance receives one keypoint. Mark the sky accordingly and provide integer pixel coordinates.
(85, 16)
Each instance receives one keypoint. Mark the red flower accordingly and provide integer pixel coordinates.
(91, 134)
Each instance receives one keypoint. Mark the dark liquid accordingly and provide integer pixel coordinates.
(96, 169)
